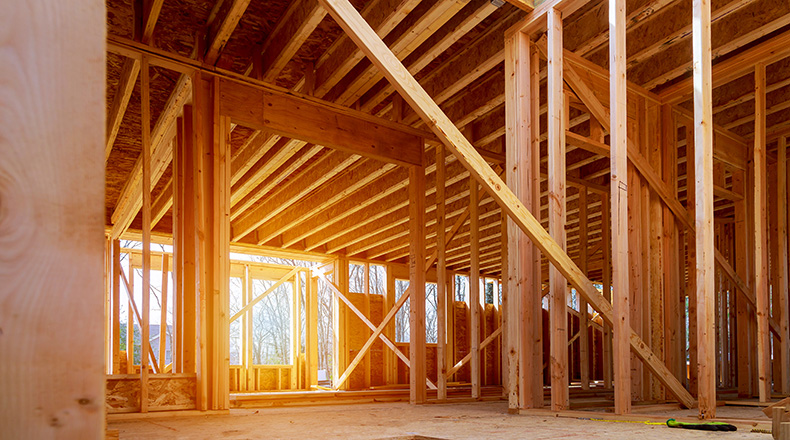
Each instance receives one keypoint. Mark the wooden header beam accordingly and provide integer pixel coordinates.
(364, 36)
(309, 120)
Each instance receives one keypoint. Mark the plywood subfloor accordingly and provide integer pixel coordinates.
(484, 420)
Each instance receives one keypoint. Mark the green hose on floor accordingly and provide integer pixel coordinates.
(707, 426)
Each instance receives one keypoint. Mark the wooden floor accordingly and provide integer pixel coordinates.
(483, 420)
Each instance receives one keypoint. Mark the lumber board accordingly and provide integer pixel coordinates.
(308, 120)
(52, 169)
(703, 187)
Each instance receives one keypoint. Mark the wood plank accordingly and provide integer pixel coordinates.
(517, 138)
(619, 204)
(703, 187)
(760, 238)
(474, 289)
(52, 194)
(376, 50)
(417, 372)
(584, 339)
(557, 215)
(145, 120)
(292, 30)
(312, 121)
(441, 277)
(782, 264)
(222, 27)
(128, 78)
(151, 10)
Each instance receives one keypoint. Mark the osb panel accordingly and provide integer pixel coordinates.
(179, 391)
(122, 394)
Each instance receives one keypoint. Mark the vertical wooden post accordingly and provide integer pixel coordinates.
(116, 306)
(178, 242)
(295, 328)
(391, 363)
(533, 308)
(340, 355)
(145, 120)
(130, 323)
(675, 354)
(518, 137)
(556, 148)
(163, 314)
(52, 361)
(619, 207)
(311, 341)
(782, 264)
(441, 277)
(760, 242)
(703, 164)
(474, 286)
(187, 245)
(248, 331)
(417, 372)
(606, 240)
(212, 176)
(584, 342)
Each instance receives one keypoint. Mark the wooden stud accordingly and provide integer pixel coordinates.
(760, 238)
(584, 342)
(417, 373)
(145, 118)
(116, 307)
(474, 288)
(558, 292)
(703, 164)
(163, 313)
(518, 139)
(782, 266)
(533, 308)
(441, 277)
(619, 197)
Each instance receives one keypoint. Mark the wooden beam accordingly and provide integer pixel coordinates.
(518, 139)
(356, 27)
(441, 277)
(313, 121)
(417, 373)
(151, 10)
(51, 285)
(782, 264)
(128, 78)
(619, 205)
(145, 120)
(474, 288)
(703, 186)
(222, 27)
(584, 341)
(760, 238)
(291, 31)
(558, 301)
